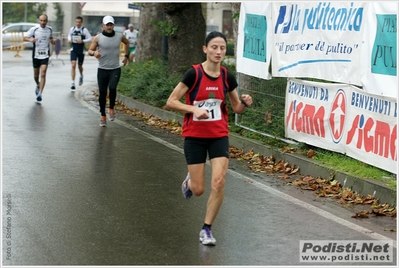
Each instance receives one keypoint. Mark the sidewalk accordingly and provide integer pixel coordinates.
(307, 166)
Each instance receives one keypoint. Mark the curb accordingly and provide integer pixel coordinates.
(363, 186)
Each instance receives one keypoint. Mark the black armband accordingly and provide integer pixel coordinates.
(243, 103)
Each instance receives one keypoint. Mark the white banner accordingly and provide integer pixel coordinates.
(342, 118)
(318, 40)
(379, 53)
(254, 40)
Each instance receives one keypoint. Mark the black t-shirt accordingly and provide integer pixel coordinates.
(189, 79)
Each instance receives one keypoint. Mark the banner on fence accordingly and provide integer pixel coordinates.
(379, 53)
(344, 119)
(318, 39)
(254, 39)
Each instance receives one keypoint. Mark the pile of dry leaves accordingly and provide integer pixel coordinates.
(322, 187)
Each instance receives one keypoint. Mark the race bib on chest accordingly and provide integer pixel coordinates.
(76, 38)
(41, 51)
(213, 106)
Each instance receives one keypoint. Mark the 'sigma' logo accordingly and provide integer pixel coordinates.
(337, 116)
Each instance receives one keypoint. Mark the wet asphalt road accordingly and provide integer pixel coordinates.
(78, 194)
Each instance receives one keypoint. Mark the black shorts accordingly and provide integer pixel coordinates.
(196, 149)
(76, 56)
(37, 62)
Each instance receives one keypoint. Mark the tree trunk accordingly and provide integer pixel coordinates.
(185, 45)
(235, 9)
(149, 43)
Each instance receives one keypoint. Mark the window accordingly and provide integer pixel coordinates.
(14, 28)
(26, 28)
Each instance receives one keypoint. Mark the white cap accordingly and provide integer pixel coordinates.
(130, 25)
(108, 19)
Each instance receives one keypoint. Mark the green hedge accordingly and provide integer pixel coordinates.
(230, 49)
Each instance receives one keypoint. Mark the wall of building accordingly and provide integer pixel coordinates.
(61, 28)
(219, 18)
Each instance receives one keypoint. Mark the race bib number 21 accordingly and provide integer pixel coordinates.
(213, 108)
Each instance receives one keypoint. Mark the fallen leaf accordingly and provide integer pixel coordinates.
(361, 214)
(268, 117)
(311, 153)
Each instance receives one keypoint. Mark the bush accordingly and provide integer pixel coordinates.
(148, 82)
(230, 49)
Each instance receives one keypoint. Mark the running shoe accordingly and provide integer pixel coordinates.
(187, 193)
(206, 237)
(81, 80)
(39, 96)
(111, 114)
(103, 121)
(73, 86)
(37, 90)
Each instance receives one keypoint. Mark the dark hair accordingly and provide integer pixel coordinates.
(212, 35)
(79, 18)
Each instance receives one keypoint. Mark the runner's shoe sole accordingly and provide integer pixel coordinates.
(187, 193)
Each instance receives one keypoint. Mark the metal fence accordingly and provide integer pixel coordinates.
(266, 115)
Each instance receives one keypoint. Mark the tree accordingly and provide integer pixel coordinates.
(150, 41)
(185, 43)
(235, 11)
(15, 12)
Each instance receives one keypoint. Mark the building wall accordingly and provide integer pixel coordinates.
(218, 18)
(71, 11)
(61, 28)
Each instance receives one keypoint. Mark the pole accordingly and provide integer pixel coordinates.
(26, 12)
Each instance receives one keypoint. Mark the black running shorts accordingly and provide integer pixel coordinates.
(37, 62)
(80, 57)
(196, 149)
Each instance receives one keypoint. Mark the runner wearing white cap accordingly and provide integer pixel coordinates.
(105, 47)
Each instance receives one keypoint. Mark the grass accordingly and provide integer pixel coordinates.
(355, 167)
